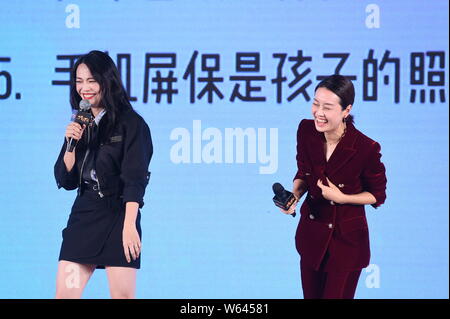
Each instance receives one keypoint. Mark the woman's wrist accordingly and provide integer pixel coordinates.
(130, 221)
(129, 225)
(69, 160)
(131, 211)
(344, 199)
(299, 192)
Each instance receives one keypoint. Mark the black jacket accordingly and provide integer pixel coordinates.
(121, 163)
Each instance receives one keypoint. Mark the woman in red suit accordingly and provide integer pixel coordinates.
(340, 170)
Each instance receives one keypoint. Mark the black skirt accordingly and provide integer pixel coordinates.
(94, 232)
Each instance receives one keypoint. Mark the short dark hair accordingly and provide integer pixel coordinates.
(114, 98)
(343, 88)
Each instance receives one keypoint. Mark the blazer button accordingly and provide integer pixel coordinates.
(330, 226)
(312, 197)
(341, 185)
(311, 216)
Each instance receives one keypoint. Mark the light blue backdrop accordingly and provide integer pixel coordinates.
(210, 230)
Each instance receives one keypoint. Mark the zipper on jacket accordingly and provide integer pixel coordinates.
(84, 160)
(98, 182)
(99, 189)
(100, 193)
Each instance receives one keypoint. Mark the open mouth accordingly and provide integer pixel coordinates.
(88, 96)
(321, 122)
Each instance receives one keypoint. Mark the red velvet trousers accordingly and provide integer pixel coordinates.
(331, 284)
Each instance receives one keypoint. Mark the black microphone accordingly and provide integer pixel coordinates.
(83, 116)
(283, 198)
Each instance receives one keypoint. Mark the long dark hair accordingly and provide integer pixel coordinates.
(114, 98)
(343, 88)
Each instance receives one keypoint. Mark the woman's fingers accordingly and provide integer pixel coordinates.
(132, 250)
(131, 243)
(323, 188)
(330, 183)
(137, 249)
(290, 210)
(127, 253)
(319, 184)
(75, 130)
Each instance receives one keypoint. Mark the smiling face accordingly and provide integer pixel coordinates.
(327, 111)
(87, 87)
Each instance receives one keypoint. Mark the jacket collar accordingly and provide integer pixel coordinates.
(343, 152)
(99, 116)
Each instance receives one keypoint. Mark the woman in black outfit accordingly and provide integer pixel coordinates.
(109, 167)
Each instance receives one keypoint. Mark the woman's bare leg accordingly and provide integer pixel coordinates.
(71, 279)
(122, 282)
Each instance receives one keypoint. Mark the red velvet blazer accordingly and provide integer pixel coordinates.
(341, 229)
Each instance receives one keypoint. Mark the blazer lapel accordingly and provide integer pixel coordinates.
(316, 152)
(343, 152)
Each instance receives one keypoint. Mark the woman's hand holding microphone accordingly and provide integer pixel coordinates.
(291, 209)
(73, 130)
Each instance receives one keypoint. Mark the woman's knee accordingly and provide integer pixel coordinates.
(122, 282)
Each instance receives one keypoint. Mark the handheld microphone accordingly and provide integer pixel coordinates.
(83, 116)
(283, 198)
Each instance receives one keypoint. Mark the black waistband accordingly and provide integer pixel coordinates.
(92, 187)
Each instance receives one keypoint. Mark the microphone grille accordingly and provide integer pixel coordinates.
(85, 105)
(277, 188)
